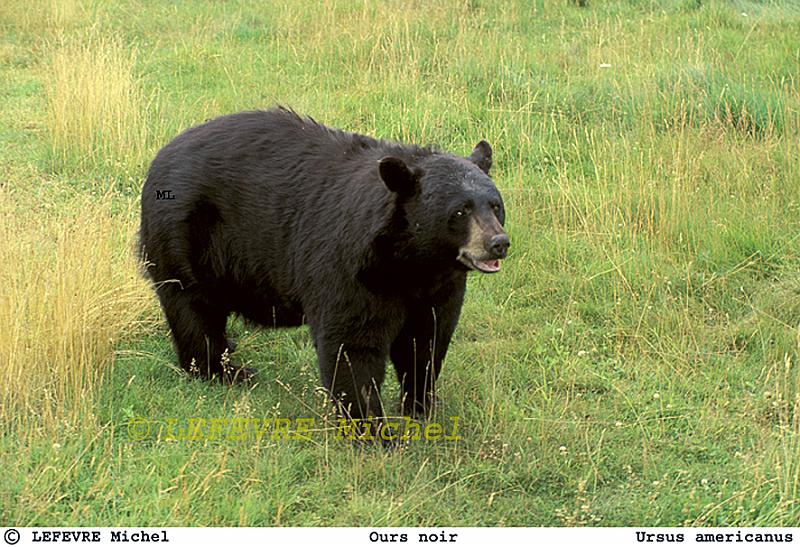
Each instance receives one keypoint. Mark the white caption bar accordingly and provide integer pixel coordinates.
(350, 537)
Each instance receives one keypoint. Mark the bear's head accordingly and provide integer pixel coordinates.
(453, 214)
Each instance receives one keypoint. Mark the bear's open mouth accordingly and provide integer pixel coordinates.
(483, 266)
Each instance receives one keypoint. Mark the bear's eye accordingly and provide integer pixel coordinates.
(496, 208)
(462, 212)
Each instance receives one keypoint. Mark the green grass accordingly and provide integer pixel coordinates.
(636, 362)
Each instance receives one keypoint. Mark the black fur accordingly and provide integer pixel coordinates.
(282, 220)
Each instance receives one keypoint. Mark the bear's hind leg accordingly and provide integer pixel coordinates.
(198, 331)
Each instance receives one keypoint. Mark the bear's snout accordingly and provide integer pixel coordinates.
(498, 245)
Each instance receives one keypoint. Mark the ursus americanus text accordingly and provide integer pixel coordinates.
(284, 221)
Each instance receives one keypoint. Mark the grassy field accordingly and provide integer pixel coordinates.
(637, 361)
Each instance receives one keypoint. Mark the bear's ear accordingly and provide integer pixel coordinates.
(482, 156)
(398, 177)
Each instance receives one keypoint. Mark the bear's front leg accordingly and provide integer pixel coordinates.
(353, 376)
(421, 346)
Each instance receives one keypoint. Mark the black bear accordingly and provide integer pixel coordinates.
(284, 221)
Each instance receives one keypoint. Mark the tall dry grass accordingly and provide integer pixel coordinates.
(37, 16)
(97, 111)
(70, 290)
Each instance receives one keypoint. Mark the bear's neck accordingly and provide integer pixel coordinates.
(393, 265)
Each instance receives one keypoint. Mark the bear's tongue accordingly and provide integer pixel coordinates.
(489, 266)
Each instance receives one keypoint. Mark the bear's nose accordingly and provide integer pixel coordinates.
(498, 245)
